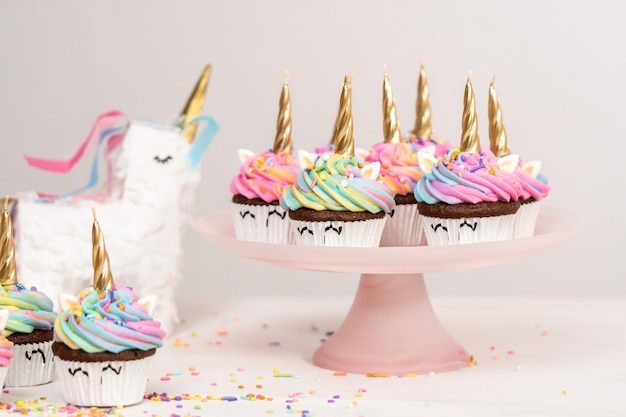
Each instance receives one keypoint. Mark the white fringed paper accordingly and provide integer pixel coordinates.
(95, 384)
(526, 219)
(267, 224)
(365, 233)
(3, 374)
(442, 232)
(37, 370)
(404, 228)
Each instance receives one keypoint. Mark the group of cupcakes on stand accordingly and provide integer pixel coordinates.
(407, 190)
(101, 343)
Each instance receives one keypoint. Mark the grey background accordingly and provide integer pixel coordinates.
(560, 77)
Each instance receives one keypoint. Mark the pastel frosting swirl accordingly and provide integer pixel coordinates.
(5, 352)
(418, 143)
(265, 175)
(336, 183)
(28, 309)
(462, 177)
(398, 166)
(111, 321)
(532, 187)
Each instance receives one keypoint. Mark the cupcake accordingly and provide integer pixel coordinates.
(105, 339)
(257, 188)
(464, 197)
(5, 349)
(422, 137)
(338, 201)
(30, 321)
(398, 170)
(534, 185)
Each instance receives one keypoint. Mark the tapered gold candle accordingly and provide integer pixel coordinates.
(423, 127)
(470, 141)
(193, 107)
(391, 126)
(344, 132)
(282, 142)
(102, 278)
(8, 269)
(498, 141)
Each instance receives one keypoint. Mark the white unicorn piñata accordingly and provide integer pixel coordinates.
(152, 172)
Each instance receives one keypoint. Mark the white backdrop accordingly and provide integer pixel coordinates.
(560, 77)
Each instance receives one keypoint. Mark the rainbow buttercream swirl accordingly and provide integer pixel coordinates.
(5, 352)
(532, 187)
(418, 143)
(462, 177)
(110, 321)
(28, 309)
(265, 175)
(336, 183)
(398, 166)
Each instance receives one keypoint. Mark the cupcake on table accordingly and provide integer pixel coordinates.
(422, 137)
(5, 349)
(338, 201)
(534, 185)
(400, 171)
(30, 320)
(464, 197)
(105, 339)
(260, 183)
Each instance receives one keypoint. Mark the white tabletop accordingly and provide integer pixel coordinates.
(535, 357)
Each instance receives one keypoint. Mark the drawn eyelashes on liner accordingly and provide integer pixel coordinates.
(445, 229)
(247, 213)
(276, 212)
(30, 355)
(165, 160)
(73, 372)
(303, 229)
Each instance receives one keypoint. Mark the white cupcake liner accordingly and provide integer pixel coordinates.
(33, 364)
(526, 219)
(364, 233)
(442, 232)
(267, 224)
(404, 227)
(3, 374)
(103, 384)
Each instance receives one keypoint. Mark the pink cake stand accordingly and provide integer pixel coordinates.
(391, 327)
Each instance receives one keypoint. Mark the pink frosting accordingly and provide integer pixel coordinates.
(531, 186)
(398, 166)
(5, 352)
(265, 176)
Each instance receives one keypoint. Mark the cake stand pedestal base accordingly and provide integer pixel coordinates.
(391, 329)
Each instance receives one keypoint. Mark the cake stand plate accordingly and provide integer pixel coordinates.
(391, 327)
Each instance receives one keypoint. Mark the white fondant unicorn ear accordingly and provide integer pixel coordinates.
(244, 155)
(532, 168)
(430, 149)
(508, 163)
(148, 302)
(425, 161)
(361, 153)
(68, 301)
(370, 171)
(4, 317)
(306, 160)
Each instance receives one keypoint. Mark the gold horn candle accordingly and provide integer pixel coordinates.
(423, 126)
(283, 141)
(470, 141)
(498, 141)
(391, 126)
(344, 130)
(194, 105)
(102, 277)
(8, 269)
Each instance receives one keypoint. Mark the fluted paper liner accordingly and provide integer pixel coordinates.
(442, 232)
(254, 223)
(24, 372)
(364, 233)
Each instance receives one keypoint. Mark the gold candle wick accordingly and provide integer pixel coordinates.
(470, 141)
(102, 277)
(8, 268)
(423, 125)
(283, 142)
(498, 141)
(391, 125)
(343, 139)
